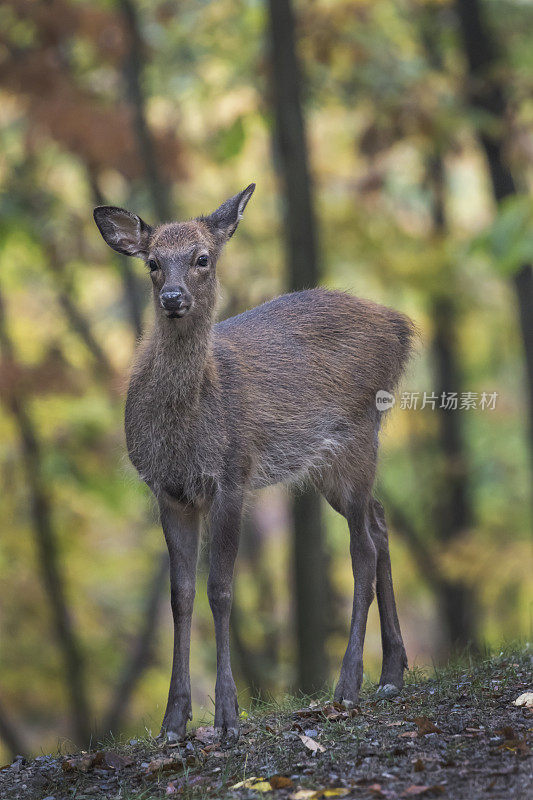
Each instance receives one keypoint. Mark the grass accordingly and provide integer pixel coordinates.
(453, 732)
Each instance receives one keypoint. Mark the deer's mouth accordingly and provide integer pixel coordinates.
(177, 313)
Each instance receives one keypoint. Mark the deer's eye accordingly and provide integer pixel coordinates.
(153, 265)
(202, 261)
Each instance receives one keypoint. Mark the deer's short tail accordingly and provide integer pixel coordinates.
(405, 335)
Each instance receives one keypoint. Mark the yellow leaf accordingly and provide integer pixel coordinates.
(303, 794)
(257, 784)
(335, 792)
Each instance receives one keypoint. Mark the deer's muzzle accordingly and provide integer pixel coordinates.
(176, 302)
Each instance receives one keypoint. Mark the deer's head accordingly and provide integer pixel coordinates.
(181, 256)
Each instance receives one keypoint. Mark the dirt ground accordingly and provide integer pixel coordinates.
(455, 734)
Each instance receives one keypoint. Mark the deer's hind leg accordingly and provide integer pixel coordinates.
(364, 559)
(394, 656)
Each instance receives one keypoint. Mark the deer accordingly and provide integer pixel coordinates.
(282, 393)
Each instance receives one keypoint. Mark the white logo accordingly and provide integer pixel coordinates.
(384, 400)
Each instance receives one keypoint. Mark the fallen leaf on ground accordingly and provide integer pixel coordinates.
(303, 794)
(111, 760)
(525, 699)
(280, 782)
(335, 715)
(334, 792)
(307, 712)
(408, 735)
(311, 744)
(419, 765)
(205, 734)
(425, 726)
(164, 765)
(416, 790)
(258, 784)
(512, 741)
(81, 763)
(186, 782)
(507, 732)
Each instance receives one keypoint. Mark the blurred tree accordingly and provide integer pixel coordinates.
(142, 649)
(47, 549)
(452, 514)
(487, 93)
(133, 66)
(300, 230)
(82, 93)
(10, 734)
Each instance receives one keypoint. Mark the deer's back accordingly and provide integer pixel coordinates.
(319, 342)
(302, 372)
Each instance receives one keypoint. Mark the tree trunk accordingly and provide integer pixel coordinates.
(10, 734)
(453, 512)
(291, 157)
(47, 550)
(486, 94)
(142, 650)
(133, 66)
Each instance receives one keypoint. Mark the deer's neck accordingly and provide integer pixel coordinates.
(183, 359)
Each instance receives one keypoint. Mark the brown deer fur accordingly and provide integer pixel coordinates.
(282, 393)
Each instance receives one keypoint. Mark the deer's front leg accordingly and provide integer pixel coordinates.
(181, 527)
(225, 530)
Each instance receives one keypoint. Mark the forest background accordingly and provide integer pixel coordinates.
(392, 146)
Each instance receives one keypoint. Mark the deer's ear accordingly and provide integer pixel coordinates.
(225, 219)
(124, 232)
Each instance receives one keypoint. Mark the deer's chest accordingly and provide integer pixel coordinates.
(172, 449)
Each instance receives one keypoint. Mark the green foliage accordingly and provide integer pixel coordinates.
(380, 110)
(229, 142)
(508, 240)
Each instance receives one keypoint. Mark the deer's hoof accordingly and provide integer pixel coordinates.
(227, 712)
(174, 731)
(171, 736)
(229, 735)
(347, 689)
(387, 690)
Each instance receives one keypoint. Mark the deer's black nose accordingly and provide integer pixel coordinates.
(175, 300)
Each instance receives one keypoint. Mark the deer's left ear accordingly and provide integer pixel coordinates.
(123, 231)
(225, 219)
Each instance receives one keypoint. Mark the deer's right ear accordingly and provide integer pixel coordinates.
(124, 232)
